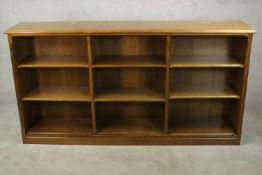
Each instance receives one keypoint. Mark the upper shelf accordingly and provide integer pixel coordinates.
(54, 62)
(112, 61)
(186, 61)
(131, 27)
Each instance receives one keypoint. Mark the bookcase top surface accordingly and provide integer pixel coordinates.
(131, 27)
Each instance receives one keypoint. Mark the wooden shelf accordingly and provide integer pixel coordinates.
(65, 127)
(203, 92)
(129, 95)
(201, 127)
(112, 61)
(188, 61)
(139, 126)
(58, 94)
(54, 62)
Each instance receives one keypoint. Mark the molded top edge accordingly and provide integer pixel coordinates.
(134, 27)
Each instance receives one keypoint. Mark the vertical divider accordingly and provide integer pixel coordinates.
(167, 84)
(91, 83)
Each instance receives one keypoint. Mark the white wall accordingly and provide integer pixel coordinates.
(14, 11)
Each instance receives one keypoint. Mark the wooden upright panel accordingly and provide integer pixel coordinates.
(91, 79)
(167, 83)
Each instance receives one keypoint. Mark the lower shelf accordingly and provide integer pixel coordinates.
(203, 61)
(132, 127)
(201, 127)
(78, 131)
(62, 127)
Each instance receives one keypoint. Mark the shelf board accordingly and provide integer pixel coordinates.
(201, 127)
(137, 126)
(58, 127)
(58, 94)
(190, 61)
(203, 92)
(117, 61)
(54, 62)
(129, 95)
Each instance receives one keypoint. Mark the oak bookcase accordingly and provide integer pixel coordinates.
(131, 82)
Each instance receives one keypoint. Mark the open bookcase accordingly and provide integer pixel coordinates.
(80, 84)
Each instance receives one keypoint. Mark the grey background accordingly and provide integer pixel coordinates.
(16, 158)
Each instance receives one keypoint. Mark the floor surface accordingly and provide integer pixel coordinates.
(19, 159)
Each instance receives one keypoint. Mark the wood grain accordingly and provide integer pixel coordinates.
(61, 127)
(201, 127)
(54, 62)
(120, 27)
(131, 82)
(128, 45)
(133, 78)
(132, 127)
(202, 118)
(91, 82)
(129, 94)
(58, 94)
(202, 92)
(129, 61)
(130, 119)
(167, 83)
(212, 61)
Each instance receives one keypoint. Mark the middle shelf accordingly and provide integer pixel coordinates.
(204, 61)
(54, 62)
(114, 61)
(129, 94)
(203, 92)
(58, 94)
(130, 84)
